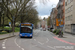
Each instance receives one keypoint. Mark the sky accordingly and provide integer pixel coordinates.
(45, 9)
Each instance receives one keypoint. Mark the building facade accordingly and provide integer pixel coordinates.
(53, 16)
(70, 16)
(60, 15)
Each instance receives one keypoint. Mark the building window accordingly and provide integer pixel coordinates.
(68, 18)
(71, 17)
(65, 3)
(71, 7)
(69, 1)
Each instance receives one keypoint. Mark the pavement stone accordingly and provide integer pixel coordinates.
(8, 35)
(68, 37)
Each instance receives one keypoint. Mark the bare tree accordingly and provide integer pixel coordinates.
(44, 1)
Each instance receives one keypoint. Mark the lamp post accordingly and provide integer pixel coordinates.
(13, 25)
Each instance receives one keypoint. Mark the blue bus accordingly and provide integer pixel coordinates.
(26, 30)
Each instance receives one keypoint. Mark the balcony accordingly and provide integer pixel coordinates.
(60, 4)
(59, 11)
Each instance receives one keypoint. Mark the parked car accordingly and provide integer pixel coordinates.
(44, 29)
(53, 30)
(41, 28)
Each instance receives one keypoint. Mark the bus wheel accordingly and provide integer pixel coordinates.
(31, 37)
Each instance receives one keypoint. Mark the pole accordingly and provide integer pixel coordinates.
(13, 25)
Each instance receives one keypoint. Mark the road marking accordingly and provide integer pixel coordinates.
(64, 41)
(22, 48)
(4, 47)
(3, 44)
(40, 43)
(17, 44)
(37, 33)
(47, 40)
(34, 39)
(51, 47)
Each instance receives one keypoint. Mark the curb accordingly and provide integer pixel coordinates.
(7, 37)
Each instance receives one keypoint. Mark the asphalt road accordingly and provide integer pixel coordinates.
(42, 40)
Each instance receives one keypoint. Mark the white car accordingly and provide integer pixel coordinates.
(44, 29)
(41, 28)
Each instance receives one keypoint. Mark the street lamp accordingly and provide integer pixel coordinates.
(13, 25)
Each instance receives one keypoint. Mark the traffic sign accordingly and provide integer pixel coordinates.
(9, 23)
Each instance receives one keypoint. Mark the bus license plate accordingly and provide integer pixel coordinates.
(25, 36)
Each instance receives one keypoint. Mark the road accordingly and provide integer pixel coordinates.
(42, 40)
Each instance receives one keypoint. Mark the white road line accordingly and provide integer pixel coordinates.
(17, 44)
(3, 44)
(34, 39)
(4, 47)
(51, 47)
(47, 40)
(37, 32)
(22, 48)
(40, 43)
(5, 40)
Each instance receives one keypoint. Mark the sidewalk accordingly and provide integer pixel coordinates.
(8, 35)
(68, 37)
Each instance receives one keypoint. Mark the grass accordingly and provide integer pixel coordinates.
(6, 28)
(1, 33)
(17, 29)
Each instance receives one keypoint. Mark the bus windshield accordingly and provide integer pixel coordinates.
(26, 29)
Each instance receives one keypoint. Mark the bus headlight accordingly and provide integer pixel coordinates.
(30, 35)
(20, 34)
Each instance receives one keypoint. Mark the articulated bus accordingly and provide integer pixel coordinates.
(26, 30)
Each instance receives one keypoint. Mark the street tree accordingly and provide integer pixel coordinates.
(14, 7)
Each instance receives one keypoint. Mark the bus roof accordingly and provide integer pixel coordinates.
(26, 23)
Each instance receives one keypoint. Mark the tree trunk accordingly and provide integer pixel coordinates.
(13, 27)
(21, 19)
(3, 23)
(0, 21)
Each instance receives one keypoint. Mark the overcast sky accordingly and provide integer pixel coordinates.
(45, 9)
